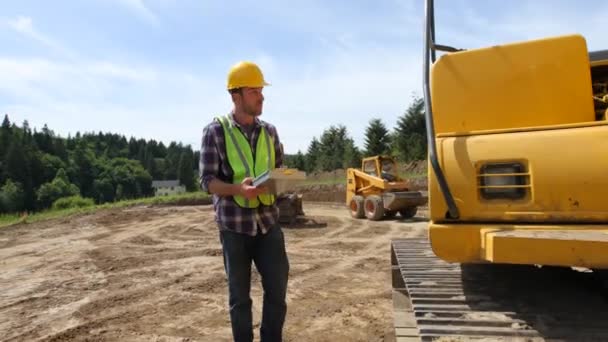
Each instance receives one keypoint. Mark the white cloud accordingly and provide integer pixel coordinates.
(121, 72)
(368, 66)
(146, 102)
(139, 7)
(24, 26)
(348, 88)
(466, 26)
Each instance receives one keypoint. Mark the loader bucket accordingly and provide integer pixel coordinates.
(395, 201)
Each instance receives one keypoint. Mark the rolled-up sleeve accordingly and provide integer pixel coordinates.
(209, 164)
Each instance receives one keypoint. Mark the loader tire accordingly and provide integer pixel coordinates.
(374, 208)
(356, 207)
(408, 212)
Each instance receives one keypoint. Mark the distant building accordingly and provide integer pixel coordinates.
(167, 187)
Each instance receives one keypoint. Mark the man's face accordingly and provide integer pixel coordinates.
(252, 101)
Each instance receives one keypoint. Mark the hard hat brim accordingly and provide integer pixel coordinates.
(265, 84)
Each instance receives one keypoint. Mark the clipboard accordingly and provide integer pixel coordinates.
(280, 180)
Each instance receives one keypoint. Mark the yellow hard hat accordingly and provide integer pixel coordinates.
(245, 74)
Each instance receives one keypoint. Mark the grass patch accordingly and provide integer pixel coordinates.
(190, 198)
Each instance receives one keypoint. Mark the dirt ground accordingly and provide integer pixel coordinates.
(156, 274)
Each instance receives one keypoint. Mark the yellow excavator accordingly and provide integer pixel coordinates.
(517, 137)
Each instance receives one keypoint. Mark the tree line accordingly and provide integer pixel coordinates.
(38, 168)
(335, 149)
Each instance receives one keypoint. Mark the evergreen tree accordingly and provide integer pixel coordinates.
(83, 169)
(60, 149)
(15, 164)
(352, 155)
(186, 171)
(300, 161)
(410, 134)
(5, 136)
(333, 144)
(377, 140)
(197, 159)
(46, 143)
(312, 155)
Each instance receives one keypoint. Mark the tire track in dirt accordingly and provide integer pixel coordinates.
(342, 279)
(155, 273)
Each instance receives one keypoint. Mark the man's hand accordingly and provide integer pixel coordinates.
(249, 191)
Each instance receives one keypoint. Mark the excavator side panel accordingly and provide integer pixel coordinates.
(536, 157)
(546, 175)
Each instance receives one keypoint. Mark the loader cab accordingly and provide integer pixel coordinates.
(381, 166)
(389, 169)
(369, 166)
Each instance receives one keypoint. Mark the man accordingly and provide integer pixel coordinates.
(236, 148)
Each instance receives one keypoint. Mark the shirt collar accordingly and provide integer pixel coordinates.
(256, 121)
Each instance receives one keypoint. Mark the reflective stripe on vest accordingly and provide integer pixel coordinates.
(240, 158)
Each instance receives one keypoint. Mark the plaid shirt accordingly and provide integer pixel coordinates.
(214, 164)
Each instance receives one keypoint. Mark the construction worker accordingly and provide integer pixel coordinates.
(235, 148)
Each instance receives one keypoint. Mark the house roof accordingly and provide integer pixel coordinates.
(165, 183)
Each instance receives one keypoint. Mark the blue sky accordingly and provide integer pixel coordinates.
(156, 69)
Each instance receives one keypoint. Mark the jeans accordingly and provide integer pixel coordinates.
(267, 251)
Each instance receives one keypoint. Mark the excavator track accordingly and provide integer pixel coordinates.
(434, 300)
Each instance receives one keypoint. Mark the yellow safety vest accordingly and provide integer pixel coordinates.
(240, 158)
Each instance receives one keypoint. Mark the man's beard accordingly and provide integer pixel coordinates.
(252, 110)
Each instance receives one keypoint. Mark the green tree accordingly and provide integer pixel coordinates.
(333, 143)
(5, 136)
(27, 139)
(45, 143)
(11, 197)
(312, 155)
(186, 171)
(377, 139)
(152, 168)
(171, 164)
(119, 192)
(133, 148)
(50, 165)
(60, 187)
(141, 154)
(410, 134)
(124, 179)
(300, 161)
(15, 164)
(104, 190)
(83, 168)
(352, 155)
(197, 159)
(129, 178)
(35, 161)
(60, 149)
